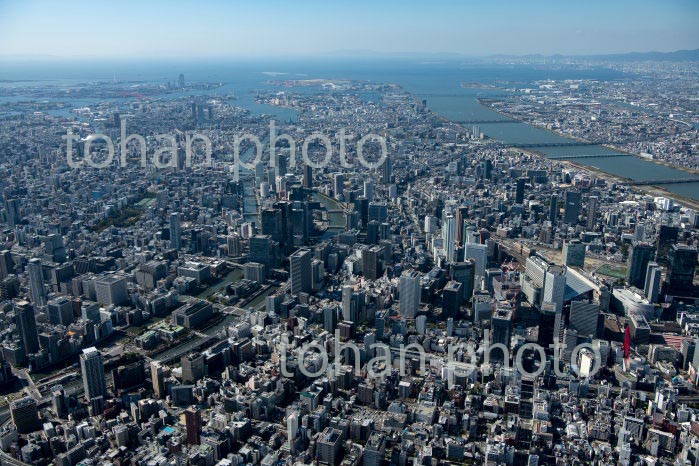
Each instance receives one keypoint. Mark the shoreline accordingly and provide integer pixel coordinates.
(647, 189)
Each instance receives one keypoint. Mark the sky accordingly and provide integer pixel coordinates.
(272, 28)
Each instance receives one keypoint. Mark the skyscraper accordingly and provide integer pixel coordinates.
(465, 273)
(92, 369)
(637, 263)
(387, 171)
(652, 287)
(683, 264)
(571, 210)
(25, 415)
(574, 253)
(592, 212)
(409, 290)
(175, 231)
(449, 236)
(36, 282)
(292, 430)
(300, 271)
(501, 325)
(26, 326)
(519, 191)
(553, 209)
(555, 286)
(307, 176)
(328, 446)
(192, 420)
(583, 317)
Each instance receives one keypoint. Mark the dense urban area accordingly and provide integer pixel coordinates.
(466, 302)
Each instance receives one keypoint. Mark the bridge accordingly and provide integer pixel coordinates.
(656, 182)
(484, 122)
(588, 156)
(553, 144)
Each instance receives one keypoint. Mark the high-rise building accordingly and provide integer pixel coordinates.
(449, 236)
(637, 264)
(92, 369)
(111, 290)
(519, 191)
(60, 311)
(465, 273)
(175, 230)
(264, 251)
(192, 420)
(25, 415)
(571, 210)
(7, 265)
(667, 236)
(592, 212)
(338, 185)
(555, 286)
(479, 254)
(387, 171)
(652, 287)
(328, 446)
(352, 303)
(683, 265)
(583, 317)
(553, 209)
(375, 449)
(409, 291)
(292, 430)
(193, 367)
(36, 282)
(300, 271)
(330, 318)
(501, 325)
(452, 296)
(574, 253)
(26, 326)
(307, 176)
(378, 211)
(157, 374)
(371, 266)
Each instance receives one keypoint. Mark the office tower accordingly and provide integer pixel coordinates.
(637, 263)
(378, 211)
(667, 236)
(553, 209)
(592, 212)
(338, 185)
(193, 367)
(555, 286)
(465, 273)
(271, 220)
(36, 282)
(683, 264)
(375, 449)
(461, 214)
(549, 325)
(409, 291)
(449, 236)
(479, 254)
(652, 286)
(300, 271)
(501, 325)
(574, 253)
(369, 190)
(157, 375)
(352, 303)
(92, 369)
(180, 80)
(292, 430)
(519, 190)
(330, 318)
(60, 311)
(58, 401)
(328, 446)
(264, 251)
(475, 132)
(387, 171)
(583, 317)
(235, 248)
(25, 415)
(487, 169)
(175, 231)
(452, 296)
(571, 210)
(192, 420)
(430, 224)
(26, 327)
(372, 232)
(111, 290)
(7, 265)
(307, 176)
(371, 266)
(14, 215)
(639, 232)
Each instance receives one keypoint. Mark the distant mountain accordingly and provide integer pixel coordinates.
(679, 55)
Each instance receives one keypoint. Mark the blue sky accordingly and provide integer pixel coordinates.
(201, 28)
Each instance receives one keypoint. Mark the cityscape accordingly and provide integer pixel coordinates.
(441, 254)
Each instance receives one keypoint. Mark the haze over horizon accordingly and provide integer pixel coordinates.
(313, 28)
